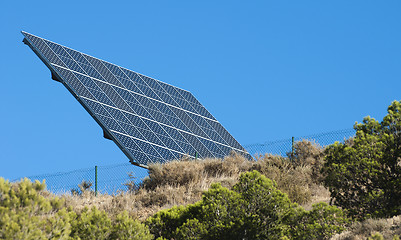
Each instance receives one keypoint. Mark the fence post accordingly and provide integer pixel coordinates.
(292, 149)
(95, 180)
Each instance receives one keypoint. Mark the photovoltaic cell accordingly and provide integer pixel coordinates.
(149, 120)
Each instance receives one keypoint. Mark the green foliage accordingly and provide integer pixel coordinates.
(165, 222)
(96, 224)
(91, 224)
(127, 228)
(364, 175)
(24, 212)
(253, 209)
(263, 204)
(321, 222)
(376, 236)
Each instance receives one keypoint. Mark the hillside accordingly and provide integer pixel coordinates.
(183, 182)
(348, 190)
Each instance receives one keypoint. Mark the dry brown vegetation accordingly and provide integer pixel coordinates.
(182, 182)
(388, 228)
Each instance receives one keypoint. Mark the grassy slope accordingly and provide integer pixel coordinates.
(182, 182)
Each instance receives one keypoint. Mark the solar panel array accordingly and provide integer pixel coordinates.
(149, 120)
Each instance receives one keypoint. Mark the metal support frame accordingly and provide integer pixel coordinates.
(95, 180)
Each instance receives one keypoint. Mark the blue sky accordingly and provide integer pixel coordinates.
(266, 70)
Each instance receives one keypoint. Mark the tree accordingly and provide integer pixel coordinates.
(364, 174)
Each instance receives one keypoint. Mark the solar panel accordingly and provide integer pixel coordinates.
(149, 120)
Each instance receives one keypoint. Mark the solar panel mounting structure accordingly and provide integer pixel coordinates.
(149, 120)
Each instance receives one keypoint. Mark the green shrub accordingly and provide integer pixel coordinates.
(165, 222)
(253, 209)
(364, 175)
(91, 224)
(96, 224)
(264, 206)
(127, 228)
(376, 236)
(26, 214)
(321, 222)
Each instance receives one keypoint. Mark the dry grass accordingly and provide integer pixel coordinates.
(174, 183)
(182, 182)
(388, 228)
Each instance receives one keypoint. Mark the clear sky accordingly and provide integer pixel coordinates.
(266, 70)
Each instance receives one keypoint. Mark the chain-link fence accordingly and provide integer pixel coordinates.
(282, 147)
(111, 179)
(107, 179)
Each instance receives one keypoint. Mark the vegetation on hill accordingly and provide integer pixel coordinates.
(273, 197)
(183, 182)
(364, 175)
(253, 209)
(29, 212)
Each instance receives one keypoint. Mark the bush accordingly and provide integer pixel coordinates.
(26, 214)
(376, 236)
(291, 178)
(253, 209)
(188, 171)
(321, 222)
(96, 224)
(91, 224)
(307, 153)
(364, 175)
(389, 228)
(127, 228)
(175, 173)
(83, 188)
(300, 178)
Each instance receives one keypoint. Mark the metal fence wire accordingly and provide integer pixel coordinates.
(111, 179)
(282, 147)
